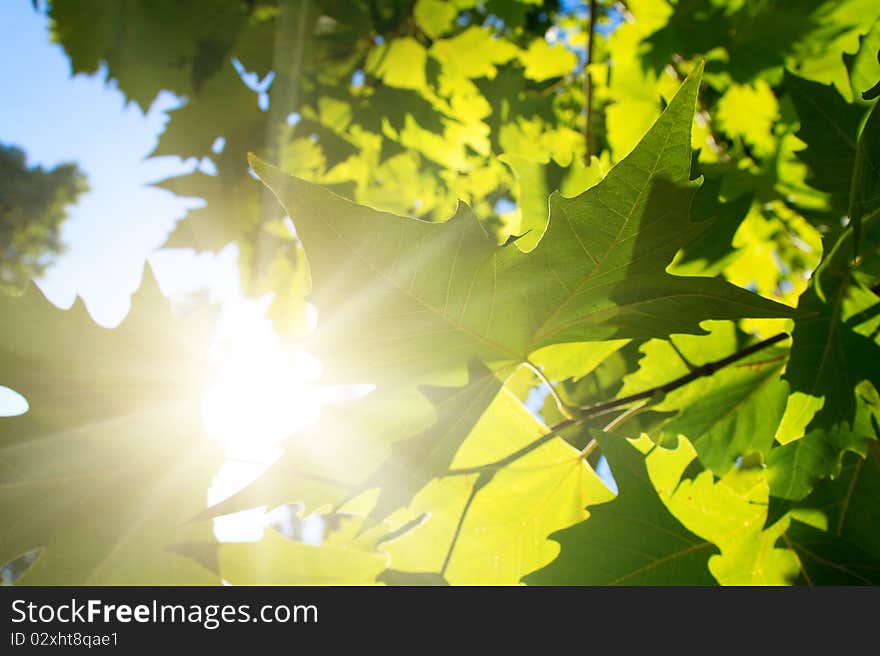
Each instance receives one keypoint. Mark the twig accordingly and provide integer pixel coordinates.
(591, 412)
(699, 372)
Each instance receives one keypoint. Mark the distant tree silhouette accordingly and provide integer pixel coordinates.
(33, 205)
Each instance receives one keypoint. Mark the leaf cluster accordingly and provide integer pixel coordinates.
(697, 300)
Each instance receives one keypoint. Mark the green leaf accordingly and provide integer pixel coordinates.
(145, 49)
(729, 512)
(473, 53)
(832, 361)
(110, 462)
(417, 460)
(410, 299)
(635, 88)
(793, 469)
(192, 129)
(503, 534)
(574, 360)
(749, 41)
(435, 17)
(726, 416)
(532, 195)
(836, 28)
(276, 560)
(663, 526)
(749, 112)
(826, 560)
(532, 192)
(864, 65)
(399, 63)
(833, 530)
(829, 125)
(632, 540)
(711, 250)
(864, 196)
(282, 266)
(543, 61)
(231, 212)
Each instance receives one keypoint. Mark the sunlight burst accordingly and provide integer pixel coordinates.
(260, 394)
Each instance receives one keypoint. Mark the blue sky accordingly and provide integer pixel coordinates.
(118, 225)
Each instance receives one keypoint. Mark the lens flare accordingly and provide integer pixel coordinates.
(260, 393)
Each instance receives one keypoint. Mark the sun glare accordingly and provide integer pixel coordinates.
(259, 394)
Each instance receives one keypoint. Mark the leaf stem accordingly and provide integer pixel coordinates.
(587, 450)
(561, 405)
(626, 414)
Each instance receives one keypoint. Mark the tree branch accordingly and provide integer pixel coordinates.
(591, 412)
(702, 371)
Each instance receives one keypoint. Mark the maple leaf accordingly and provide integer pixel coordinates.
(832, 530)
(109, 462)
(829, 125)
(416, 300)
(341, 559)
(631, 540)
(832, 356)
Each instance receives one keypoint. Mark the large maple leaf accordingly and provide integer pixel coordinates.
(109, 462)
(632, 540)
(416, 300)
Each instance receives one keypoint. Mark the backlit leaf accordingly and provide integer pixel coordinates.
(110, 462)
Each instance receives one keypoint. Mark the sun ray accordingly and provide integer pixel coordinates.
(260, 392)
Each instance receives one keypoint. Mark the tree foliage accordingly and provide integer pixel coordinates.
(33, 205)
(688, 268)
